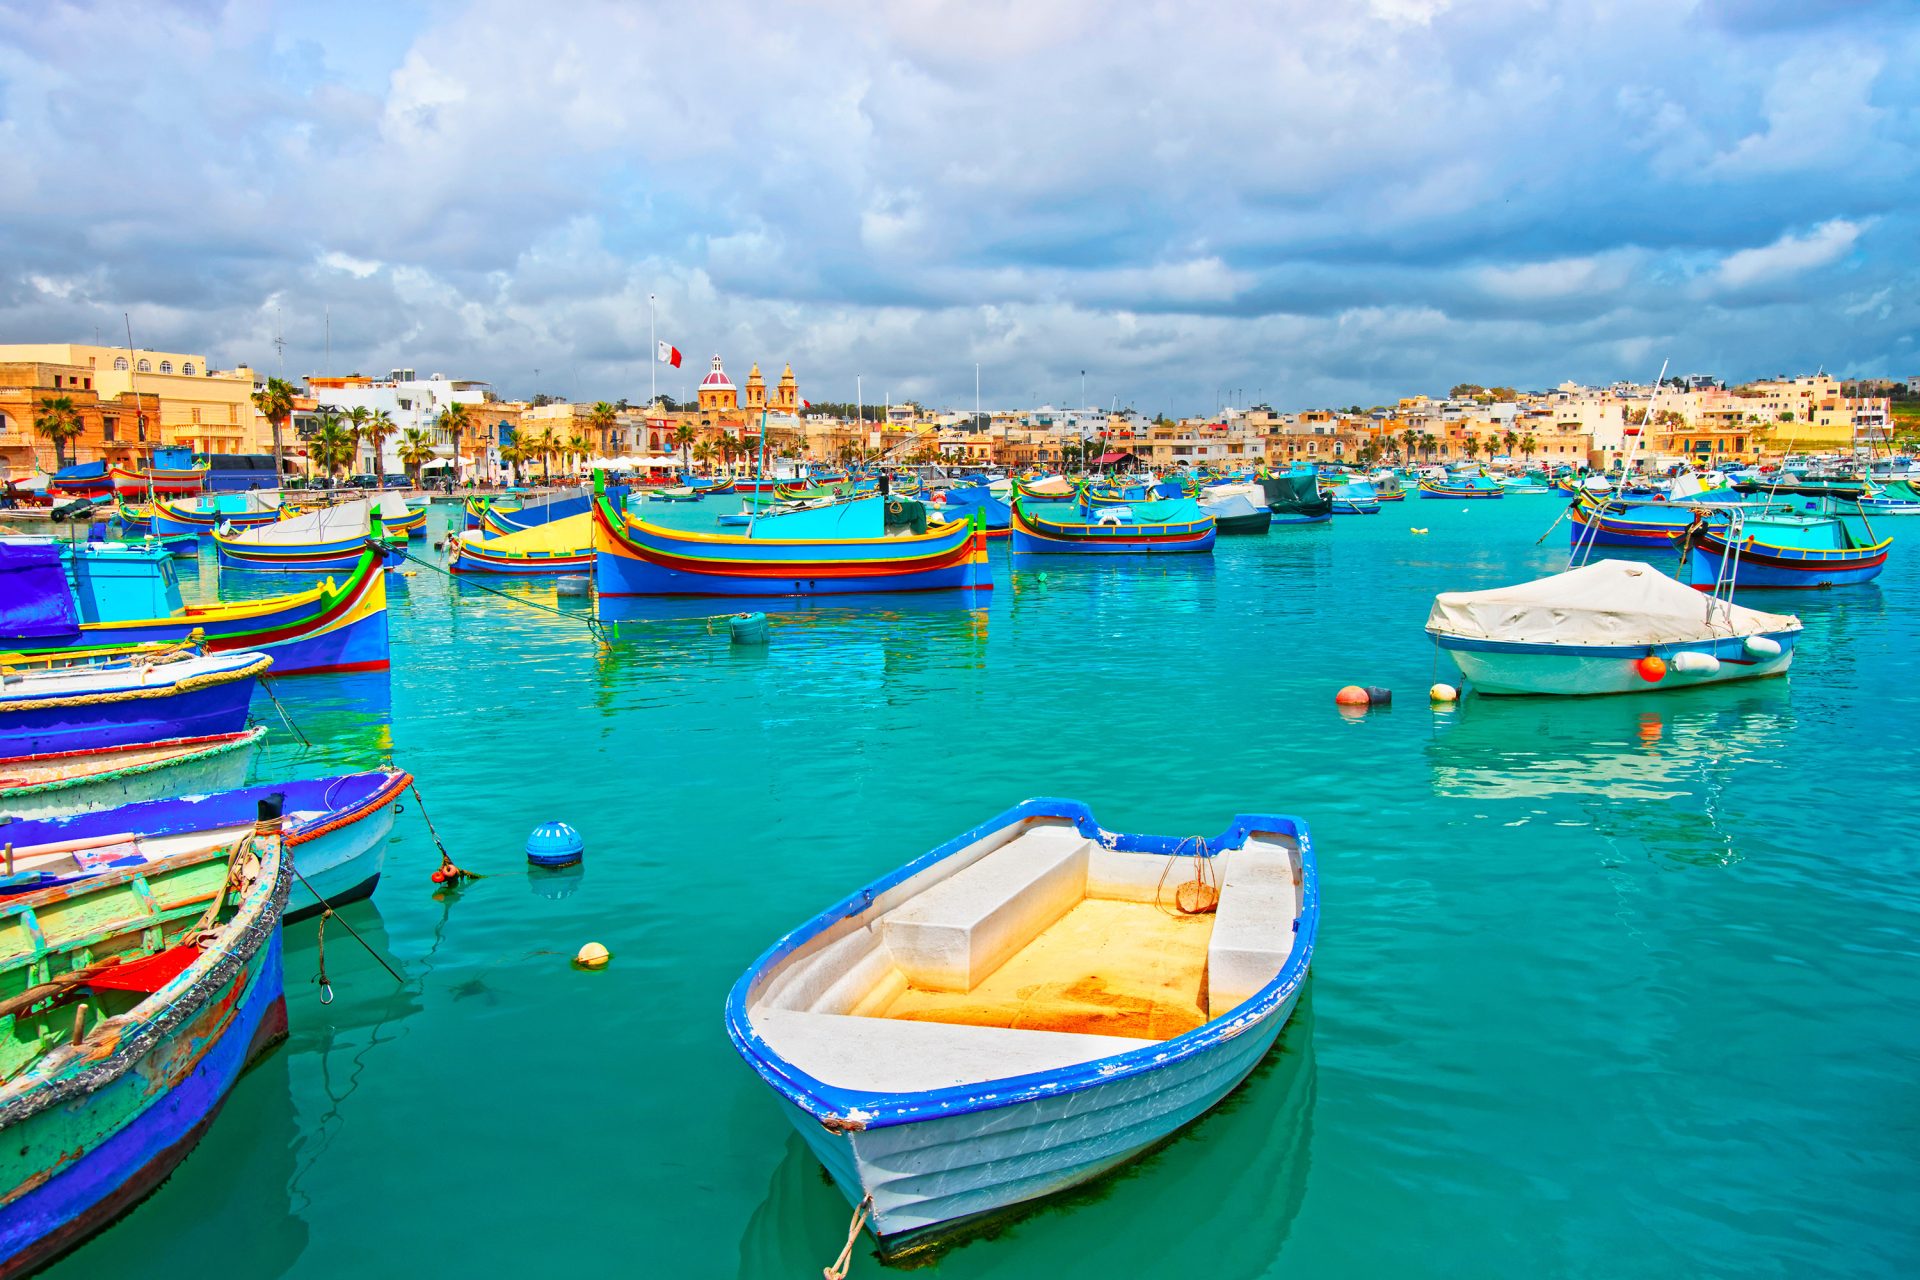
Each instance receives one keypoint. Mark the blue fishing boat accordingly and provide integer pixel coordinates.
(209, 511)
(1781, 551)
(336, 829)
(63, 709)
(1167, 527)
(1356, 498)
(1478, 486)
(978, 502)
(1597, 520)
(1294, 497)
(558, 546)
(81, 480)
(1028, 1006)
(64, 601)
(135, 998)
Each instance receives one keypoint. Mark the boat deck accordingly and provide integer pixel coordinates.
(1106, 968)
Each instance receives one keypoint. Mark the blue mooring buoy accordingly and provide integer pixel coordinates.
(555, 844)
(748, 628)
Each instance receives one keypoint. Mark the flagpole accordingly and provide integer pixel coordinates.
(653, 363)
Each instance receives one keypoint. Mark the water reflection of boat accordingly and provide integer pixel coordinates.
(245, 1166)
(1631, 747)
(1263, 1133)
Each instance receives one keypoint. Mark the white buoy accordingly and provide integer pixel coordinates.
(1696, 664)
(1762, 647)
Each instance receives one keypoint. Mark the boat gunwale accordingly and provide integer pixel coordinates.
(851, 1109)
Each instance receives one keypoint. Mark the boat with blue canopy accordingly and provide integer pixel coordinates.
(1356, 498)
(1781, 550)
(1026, 1007)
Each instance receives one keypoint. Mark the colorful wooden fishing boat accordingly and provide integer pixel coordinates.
(1045, 489)
(145, 481)
(561, 546)
(329, 540)
(1785, 551)
(979, 504)
(81, 480)
(47, 786)
(202, 515)
(1146, 528)
(331, 627)
(123, 704)
(633, 557)
(1595, 520)
(1031, 1004)
(1613, 626)
(400, 521)
(1470, 487)
(502, 521)
(336, 829)
(1356, 499)
(133, 999)
(134, 517)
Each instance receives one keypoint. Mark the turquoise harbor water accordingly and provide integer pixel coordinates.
(1619, 987)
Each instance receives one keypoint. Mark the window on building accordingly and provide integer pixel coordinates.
(56, 382)
(187, 368)
(233, 414)
(146, 366)
(143, 428)
(120, 363)
(196, 415)
(86, 384)
(107, 430)
(166, 366)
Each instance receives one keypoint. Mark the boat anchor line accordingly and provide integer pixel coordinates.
(285, 719)
(448, 872)
(838, 1270)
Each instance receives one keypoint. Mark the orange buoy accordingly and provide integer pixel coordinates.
(1351, 696)
(1652, 668)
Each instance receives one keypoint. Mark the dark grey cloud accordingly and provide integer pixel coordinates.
(1318, 203)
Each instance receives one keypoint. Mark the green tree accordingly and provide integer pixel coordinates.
(275, 403)
(601, 419)
(331, 444)
(374, 431)
(58, 421)
(416, 450)
(683, 435)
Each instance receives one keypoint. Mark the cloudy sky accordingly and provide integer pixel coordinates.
(1291, 200)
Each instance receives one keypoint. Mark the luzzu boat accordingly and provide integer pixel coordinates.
(1356, 498)
(501, 521)
(1779, 550)
(1144, 528)
(135, 601)
(64, 709)
(142, 481)
(1045, 489)
(559, 546)
(1653, 526)
(50, 785)
(633, 557)
(1613, 626)
(336, 829)
(1026, 1007)
(134, 517)
(328, 540)
(244, 510)
(977, 502)
(133, 999)
(1469, 487)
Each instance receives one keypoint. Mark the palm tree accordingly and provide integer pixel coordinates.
(601, 418)
(1512, 438)
(416, 449)
(275, 403)
(332, 445)
(703, 452)
(58, 421)
(512, 455)
(544, 446)
(354, 423)
(374, 431)
(683, 436)
(454, 420)
(1408, 439)
(578, 448)
(1527, 446)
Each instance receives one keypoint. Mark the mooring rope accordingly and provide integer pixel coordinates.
(592, 624)
(285, 719)
(838, 1271)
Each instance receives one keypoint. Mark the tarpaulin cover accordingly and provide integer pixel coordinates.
(1609, 602)
(34, 601)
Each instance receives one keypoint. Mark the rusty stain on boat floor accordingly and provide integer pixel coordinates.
(1106, 968)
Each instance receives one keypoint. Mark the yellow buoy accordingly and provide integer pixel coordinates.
(1443, 693)
(1410, 529)
(593, 956)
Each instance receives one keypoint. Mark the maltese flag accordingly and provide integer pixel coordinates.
(670, 354)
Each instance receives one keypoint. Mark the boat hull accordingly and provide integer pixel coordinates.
(335, 556)
(1429, 489)
(1788, 568)
(1496, 667)
(172, 518)
(330, 628)
(89, 781)
(157, 480)
(1255, 523)
(214, 704)
(1035, 535)
(471, 558)
(80, 1165)
(634, 558)
(933, 1179)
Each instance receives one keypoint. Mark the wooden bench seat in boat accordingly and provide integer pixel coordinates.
(889, 1056)
(1253, 927)
(957, 932)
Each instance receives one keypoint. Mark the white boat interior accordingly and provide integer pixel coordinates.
(1032, 949)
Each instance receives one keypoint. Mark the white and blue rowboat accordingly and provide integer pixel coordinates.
(336, 829)
(1027, 1007)
(1593, 630)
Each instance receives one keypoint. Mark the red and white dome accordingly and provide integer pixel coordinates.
(717, 380)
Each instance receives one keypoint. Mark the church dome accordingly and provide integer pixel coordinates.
(716, 380)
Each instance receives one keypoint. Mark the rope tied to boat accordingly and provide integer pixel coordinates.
(1196, 897)
(838, 1269)
(285, 719)
(448, 872)
(326, 988)
(592, 624)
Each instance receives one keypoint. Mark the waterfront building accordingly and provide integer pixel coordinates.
(413, 402)
(202, 408)
(116, 429)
